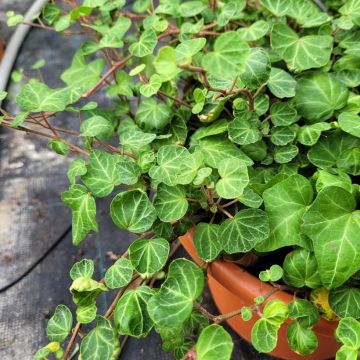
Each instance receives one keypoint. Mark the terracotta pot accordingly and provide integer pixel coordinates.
(233, 287)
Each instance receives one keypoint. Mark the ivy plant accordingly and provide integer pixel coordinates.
(237, 118)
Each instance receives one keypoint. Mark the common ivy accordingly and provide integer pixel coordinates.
(238, 118)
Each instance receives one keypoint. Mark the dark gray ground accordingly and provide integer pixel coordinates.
(35, 236)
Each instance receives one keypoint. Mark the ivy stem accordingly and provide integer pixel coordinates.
(71, 342)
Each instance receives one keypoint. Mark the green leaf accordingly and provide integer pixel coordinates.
(347, 353)
(231, 10)
(255, 31)
(148, 256)
(131, 316)
(83, 207)
(301, 269)
(283, 135)
(188, 48)
(76, 168)
(234, 178)
(217, 148)
(244, 231)
(229, 56)
(302, 340)
(96, 126)
(348, 332)
(59, 325)
(123, 85)
(137, 70)
(51, 13)
(169, 160)
(277, 7)
(135, 138)
(152, 87)
(310, 134)
(119, 274)
(165, 63)
(349, 161)
(327, 151)
(214, 343)
(59, 147)
(318, 95)
(170, 202)
(129, 170)
(13, 19)
(250, 198)
(146, 44)
(151, 115)
(83, 268)
(264, 335)
(191, 8)
(85, 314)
(173, 304)
(36, 97)
(345, 302)
(189, 168)
(285, 204)
(132, 210)
(3, 95)
(99, 343)
(281, 83)
(307, 14)
(284, 154)
(283, 114)
(304, 312)
(83, 75)
(332, 224)
(257, 69)
(207, 242)
(332, 177)
(273, 274)
(102, 173)
(244, 129)
(350, 123)
(300, 53)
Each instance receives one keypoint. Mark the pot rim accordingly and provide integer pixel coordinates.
(228, 275)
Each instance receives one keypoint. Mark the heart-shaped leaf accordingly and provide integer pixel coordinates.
(207, 242)
(345, 302)
(301, 269)
(318, 95)
(146, 44)
(300, 53)
(148, 256)
(229, 56)
(244, 231)
(119, 274)
(99, 343)
(214, 342)
(332, 223)
(83, 268)
(173, 304)
(285, 204)
(281, 83)
(169, 160)
(170, 202)
(102, 174)
(234, 178)
(131, 316)
(350, 123)
(245, 129)
(132, 210)
(59, 325)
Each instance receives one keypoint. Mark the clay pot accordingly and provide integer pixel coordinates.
(232, 287)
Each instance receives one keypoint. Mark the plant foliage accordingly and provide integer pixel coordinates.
(240, 118)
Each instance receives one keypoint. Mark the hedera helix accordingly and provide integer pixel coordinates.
(241, 118)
